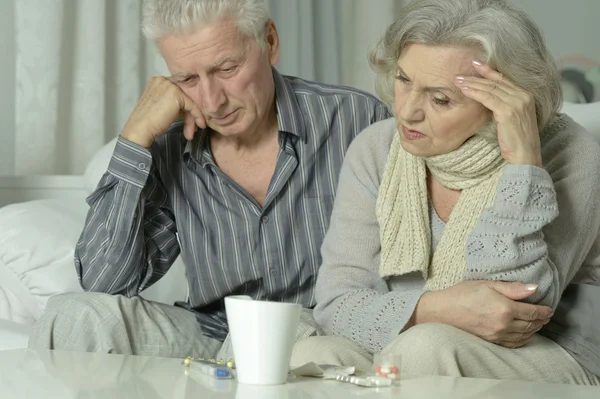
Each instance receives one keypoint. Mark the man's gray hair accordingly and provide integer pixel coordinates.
(166, 17)
(507, 38)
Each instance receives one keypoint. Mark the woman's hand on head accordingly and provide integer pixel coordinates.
(487, 309)
(514, 112)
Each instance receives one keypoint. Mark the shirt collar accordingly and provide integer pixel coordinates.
(289, 119)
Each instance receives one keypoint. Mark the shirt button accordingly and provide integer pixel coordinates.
(142, 166)
(264, 219)
(273, 272)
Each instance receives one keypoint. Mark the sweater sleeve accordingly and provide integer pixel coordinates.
(543, 223)
(508, 242)
(353, 301)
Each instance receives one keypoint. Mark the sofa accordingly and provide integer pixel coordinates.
(38, 237)
(37, 242)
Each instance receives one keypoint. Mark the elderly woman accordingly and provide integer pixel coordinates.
(459, 223)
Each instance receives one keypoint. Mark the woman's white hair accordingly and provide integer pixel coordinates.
(508, 39)
(166, 17)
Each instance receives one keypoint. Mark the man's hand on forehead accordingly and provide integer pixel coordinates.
(160, 105)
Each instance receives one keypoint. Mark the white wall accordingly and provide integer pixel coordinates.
(7, 85)
(571, 27)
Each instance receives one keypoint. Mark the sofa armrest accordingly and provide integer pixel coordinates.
(13, 335)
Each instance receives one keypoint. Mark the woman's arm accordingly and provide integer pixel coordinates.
(544, 221)
(508, 244)
(353, 301)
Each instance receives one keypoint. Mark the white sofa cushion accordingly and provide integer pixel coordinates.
(98, 165)
(37, 242)
(13, 335)
(587, 115)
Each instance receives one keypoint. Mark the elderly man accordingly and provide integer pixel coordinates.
(242, 187)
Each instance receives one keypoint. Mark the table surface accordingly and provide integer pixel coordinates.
(53, 374)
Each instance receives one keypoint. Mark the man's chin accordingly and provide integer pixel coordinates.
(234, 126)
(226, 130)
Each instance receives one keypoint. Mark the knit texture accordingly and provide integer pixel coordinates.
(403, 212)
(521, 237)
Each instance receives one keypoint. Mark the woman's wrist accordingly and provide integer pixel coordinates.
(429, 309)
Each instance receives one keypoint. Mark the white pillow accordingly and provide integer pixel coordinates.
(37, 243)
(98, 165)
(13, 335)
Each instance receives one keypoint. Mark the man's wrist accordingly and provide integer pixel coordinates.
(139, 139)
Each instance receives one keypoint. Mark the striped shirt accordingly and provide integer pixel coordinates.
(155, 204)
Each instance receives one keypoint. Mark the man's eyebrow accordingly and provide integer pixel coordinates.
(181, 75)
(222, 61)
(453, 89)
(225, 60)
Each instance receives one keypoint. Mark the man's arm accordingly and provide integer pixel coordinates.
(129, 240)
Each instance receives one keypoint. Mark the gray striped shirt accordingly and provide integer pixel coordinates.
(155, 204)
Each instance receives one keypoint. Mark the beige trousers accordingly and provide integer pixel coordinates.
(438, 349)
(95, 322)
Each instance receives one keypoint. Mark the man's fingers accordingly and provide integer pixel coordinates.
(186, 104)
(189, 126)
(189, 107)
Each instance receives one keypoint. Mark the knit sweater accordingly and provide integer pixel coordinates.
(543, 228)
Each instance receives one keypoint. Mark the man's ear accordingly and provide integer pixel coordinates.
(272, 42)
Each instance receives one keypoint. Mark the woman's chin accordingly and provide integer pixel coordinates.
(418, 148)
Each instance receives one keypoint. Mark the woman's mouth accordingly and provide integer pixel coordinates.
(412, 134)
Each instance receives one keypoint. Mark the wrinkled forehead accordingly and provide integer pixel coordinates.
(437, 62)
(205, 47)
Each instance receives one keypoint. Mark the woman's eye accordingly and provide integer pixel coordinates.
(441, 101)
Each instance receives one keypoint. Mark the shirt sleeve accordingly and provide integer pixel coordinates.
(129, 238)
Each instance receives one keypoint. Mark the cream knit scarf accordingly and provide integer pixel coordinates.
(403, 209)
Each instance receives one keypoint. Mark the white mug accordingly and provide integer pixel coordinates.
(262, 335)
(247, 391)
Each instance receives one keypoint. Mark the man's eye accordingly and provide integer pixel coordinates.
(187, 80)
